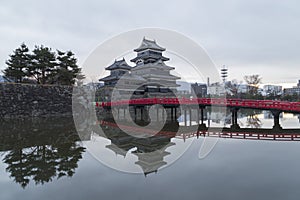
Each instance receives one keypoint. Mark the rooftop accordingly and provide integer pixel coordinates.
(119, 64)
(149, 44)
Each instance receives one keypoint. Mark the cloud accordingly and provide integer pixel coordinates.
(240, 34)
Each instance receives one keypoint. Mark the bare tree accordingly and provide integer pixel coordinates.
(253, 82)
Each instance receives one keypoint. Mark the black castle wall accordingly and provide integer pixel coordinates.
(25, 100)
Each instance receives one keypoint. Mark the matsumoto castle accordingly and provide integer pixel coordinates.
(149, 77)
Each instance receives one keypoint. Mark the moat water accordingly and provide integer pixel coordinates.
(46, 159)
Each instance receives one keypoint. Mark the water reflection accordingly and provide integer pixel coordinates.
(223, 117)
(152, 152)
(252, 120)
(44, 150)
(149, 150)
(40, 150)
(249, 118)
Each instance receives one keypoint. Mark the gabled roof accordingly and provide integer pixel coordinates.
(117, 149)
(156, 57)
(158, 65)
(119, 64)
(149, 44)
(161, 77)
(133, 77)
(109, 78)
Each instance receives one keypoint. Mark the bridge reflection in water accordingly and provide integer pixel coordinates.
(242, 133)
(153, 150)
(44, 150)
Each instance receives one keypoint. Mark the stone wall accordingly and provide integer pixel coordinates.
(25, 100)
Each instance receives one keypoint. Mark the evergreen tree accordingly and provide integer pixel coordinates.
(17, 63)
(67, 68)
(42, 65)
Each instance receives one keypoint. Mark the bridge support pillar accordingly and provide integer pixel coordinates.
(172, 114)
(234, 123)
(135, 113)
(169, 112)
(276, 114)
(202, 125)
(185, 118)
(190, 113)
(208, 118)
(198, 120)
(145, 113)
(142, 113)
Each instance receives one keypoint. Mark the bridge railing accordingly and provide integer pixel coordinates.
(247, 103)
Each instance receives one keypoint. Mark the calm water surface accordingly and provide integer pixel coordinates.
(45, 159)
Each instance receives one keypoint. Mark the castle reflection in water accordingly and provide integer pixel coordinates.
(43, 150)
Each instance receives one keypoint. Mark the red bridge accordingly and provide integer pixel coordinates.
(276, 107)
(238, 103)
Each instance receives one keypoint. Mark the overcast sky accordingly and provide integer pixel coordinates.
(250, 37)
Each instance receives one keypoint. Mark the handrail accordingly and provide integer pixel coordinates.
(243, 103)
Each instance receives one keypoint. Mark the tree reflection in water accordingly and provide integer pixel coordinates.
(40, 150)
(252, 120)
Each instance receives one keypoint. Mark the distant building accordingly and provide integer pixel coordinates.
(94, 85)
(199, 89)
(216, 89)
(183, 93)
(292, 91)
(184, 89)
(243, 88)
(272, 90)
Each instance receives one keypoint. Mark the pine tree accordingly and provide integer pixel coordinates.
(67, 68)
(43, 64)
(17, 64)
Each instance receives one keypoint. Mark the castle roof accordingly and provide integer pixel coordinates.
(150, 167)
(119, 64)
(160, 65)
(147, 56)
(118, 150)
(149, 44)
(109, 78)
